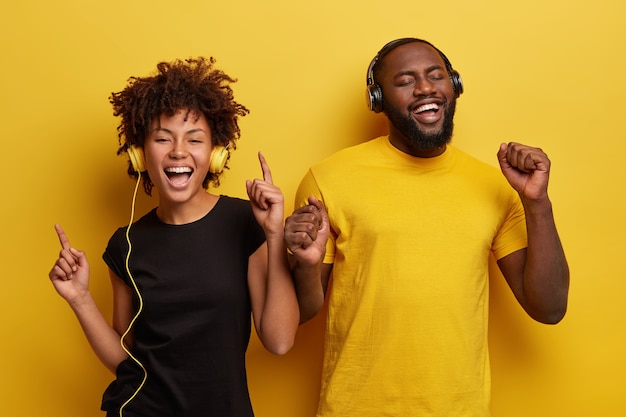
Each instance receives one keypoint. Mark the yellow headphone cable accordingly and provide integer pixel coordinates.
(140, 306)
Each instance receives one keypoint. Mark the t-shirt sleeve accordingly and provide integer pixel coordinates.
(115, 254)
(256, 236)
(511, 235)
(309, 187)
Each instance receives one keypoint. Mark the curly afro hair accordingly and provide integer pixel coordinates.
(192, 84)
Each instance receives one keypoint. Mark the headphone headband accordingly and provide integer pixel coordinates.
(374, 93)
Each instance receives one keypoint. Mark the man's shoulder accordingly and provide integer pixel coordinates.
(465, 158)
(348, 154)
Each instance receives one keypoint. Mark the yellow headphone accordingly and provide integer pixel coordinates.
(217, 161)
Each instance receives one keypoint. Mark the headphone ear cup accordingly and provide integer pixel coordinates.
(457, 82)
(137, 160)
(219, 156)
(374, 97)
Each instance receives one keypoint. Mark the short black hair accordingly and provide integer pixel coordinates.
(390, 46)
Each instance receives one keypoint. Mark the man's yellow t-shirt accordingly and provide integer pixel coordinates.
(406, 331)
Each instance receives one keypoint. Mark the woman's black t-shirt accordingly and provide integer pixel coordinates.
(194, 328)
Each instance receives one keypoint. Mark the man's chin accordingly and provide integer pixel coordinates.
(420, 136)
(425, 141)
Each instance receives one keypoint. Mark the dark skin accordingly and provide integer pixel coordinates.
(414, 81)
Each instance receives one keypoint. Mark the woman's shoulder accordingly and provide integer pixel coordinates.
(233, 203)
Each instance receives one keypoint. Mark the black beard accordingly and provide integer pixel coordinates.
(417, 137)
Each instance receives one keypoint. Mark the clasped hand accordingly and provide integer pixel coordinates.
(306, 232)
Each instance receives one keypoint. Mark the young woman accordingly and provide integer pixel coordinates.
(188, 276)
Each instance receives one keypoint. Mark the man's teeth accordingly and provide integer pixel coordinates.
(178, 170)
(426, 107)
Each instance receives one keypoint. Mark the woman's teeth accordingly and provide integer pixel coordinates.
(178, 170)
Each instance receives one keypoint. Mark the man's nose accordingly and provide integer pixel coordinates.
(423, 86)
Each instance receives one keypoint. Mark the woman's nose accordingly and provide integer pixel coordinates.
(179, 150)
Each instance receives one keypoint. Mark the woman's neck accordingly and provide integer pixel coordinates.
(170, 212)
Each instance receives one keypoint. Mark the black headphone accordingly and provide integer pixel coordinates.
(374, 93)
(219, 156)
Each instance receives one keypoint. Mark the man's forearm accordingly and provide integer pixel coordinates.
(546, 273)
(309, 288)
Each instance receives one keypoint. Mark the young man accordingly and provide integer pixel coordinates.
(407, 223)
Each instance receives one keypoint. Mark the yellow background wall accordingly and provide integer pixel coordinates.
(546, 73)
